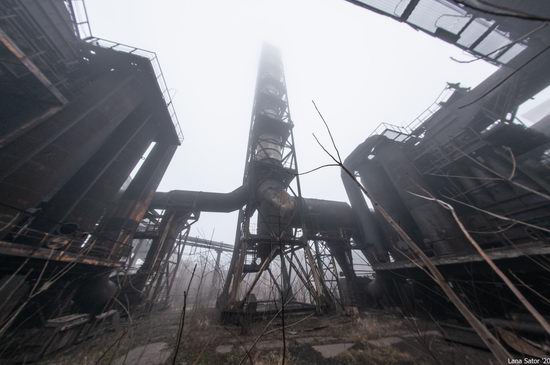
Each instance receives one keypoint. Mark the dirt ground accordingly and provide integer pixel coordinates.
(366, 338)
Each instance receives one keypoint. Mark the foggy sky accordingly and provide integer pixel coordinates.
(359, 67)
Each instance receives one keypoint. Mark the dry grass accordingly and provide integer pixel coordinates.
(203, 334)
(370, 328)
(376, 355)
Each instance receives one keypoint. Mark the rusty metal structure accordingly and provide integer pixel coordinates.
(88, 130)
(87, 133)
(287, 225)
(471, 151)
(285, 222)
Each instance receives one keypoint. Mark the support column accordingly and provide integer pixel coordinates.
(56, 149)
(122, 223)
(217, 270)
(61, 208)
(342, 254)
(285, 275)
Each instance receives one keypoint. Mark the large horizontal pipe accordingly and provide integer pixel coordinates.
(326, 215)
(202, 201)
(319, 215)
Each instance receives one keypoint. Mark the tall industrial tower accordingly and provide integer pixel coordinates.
(275, 202)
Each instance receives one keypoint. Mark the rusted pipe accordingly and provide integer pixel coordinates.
(369, 230)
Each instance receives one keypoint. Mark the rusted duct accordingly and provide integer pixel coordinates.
(318, 214)
(369, 235)
(273, 193)
(202, 201)
(275, 205)
(325, 215)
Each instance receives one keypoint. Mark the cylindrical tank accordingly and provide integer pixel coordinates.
(269, 147)
(94, 294)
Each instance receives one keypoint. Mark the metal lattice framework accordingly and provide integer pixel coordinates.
(271, 156)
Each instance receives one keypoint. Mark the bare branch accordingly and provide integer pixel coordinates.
(509, 179)
(489, 261)
(529, 288)
(488, 338)
(499, 216)
(329, 132)
(182, 319)
(317, 168)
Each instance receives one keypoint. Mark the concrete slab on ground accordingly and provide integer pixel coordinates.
(155, 353)
(334, 349)
(385, 341)
(224, 349)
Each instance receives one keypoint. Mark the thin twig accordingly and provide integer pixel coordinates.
(203, 349)
(509, 76)
(530, 289)
(315, 169)
(488, 338)
(504, 47)
(14, 274)
(259, 336)
(328, 130)
(241, 345)
(494, 9)
(490, 261)
(504, 218)
(289, 325)
(182, 318)
(502, 177)
(117, 341)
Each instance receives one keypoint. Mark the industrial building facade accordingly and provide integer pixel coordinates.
(87, 134)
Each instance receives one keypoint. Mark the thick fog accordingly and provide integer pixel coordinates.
(359, 67)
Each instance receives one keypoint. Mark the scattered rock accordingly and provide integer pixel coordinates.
(309, 340)
(385, 341)
(269, 345)
(306, 340)
(224, 349)
(331, 350)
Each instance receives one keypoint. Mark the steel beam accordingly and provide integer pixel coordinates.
(33, 69)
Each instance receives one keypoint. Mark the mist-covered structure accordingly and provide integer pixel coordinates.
(450, 211)
(87, 133)
(471, 151)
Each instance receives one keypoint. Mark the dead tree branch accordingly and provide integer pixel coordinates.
(499, 216)
(182, 319)
(489, 261)
(499, 176)
(529, 288)
(488, 338)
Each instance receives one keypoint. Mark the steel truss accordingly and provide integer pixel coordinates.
(272, 159)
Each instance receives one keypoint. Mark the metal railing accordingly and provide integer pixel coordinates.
(392, 132)
(152, 57)
(403, 133)
(432, 109)
(79, 15)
